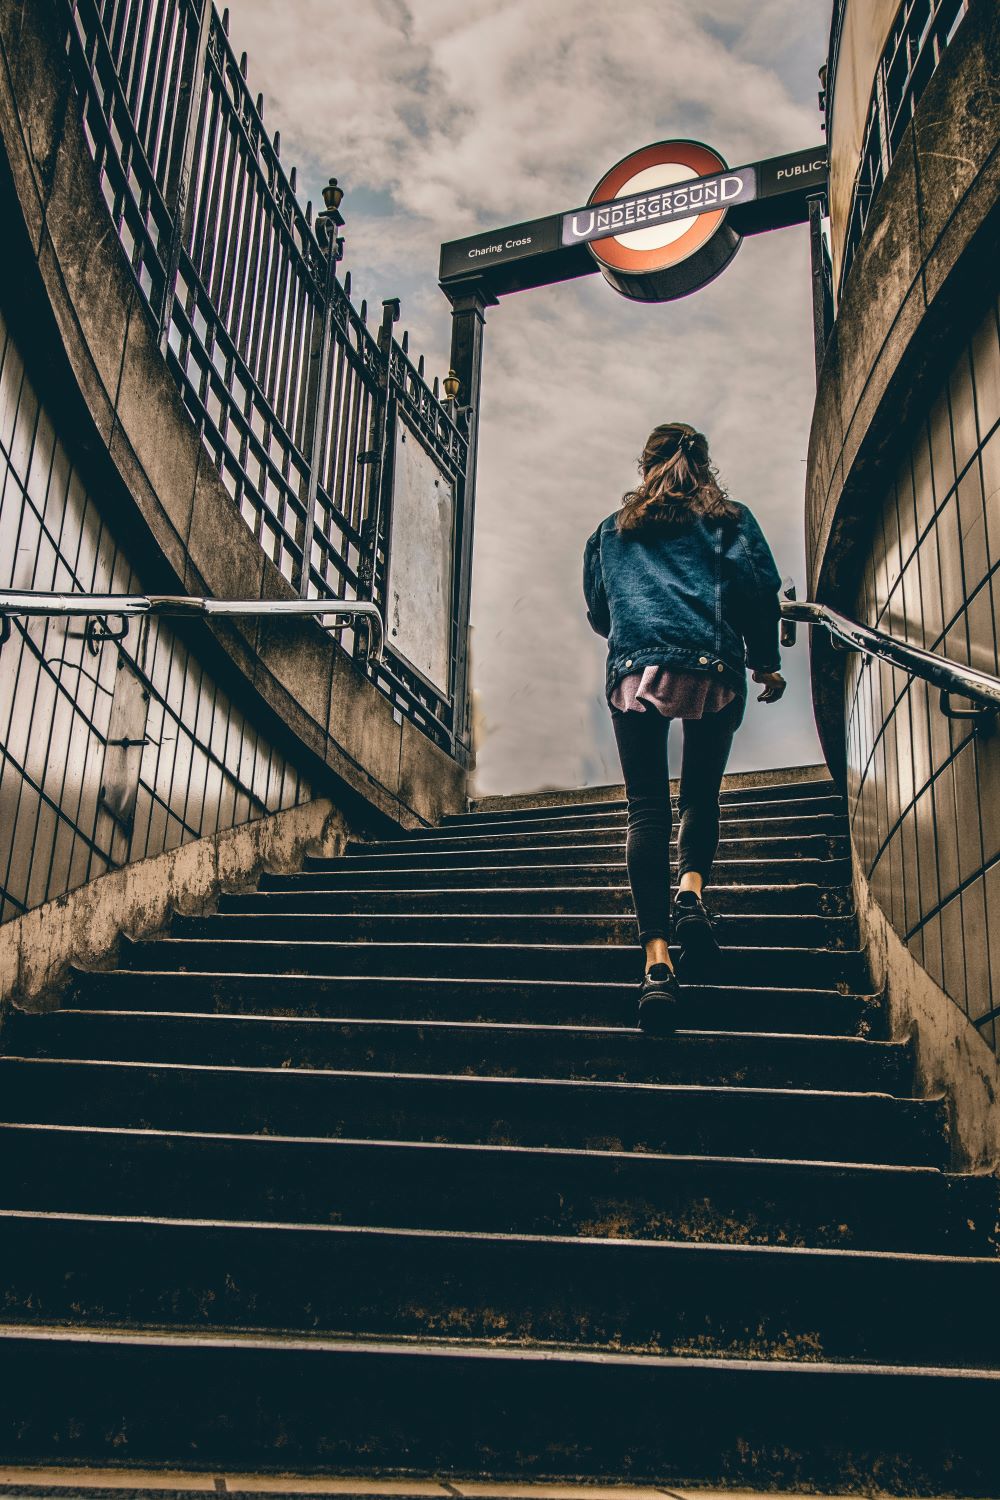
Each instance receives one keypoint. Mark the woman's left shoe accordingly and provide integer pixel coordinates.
(694, 927)
(658, 997)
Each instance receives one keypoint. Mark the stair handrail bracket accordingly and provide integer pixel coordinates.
(28, 603)
(951, 677)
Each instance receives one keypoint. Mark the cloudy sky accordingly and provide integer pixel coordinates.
(445, 117)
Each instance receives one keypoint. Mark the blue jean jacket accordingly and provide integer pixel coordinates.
(699, 596)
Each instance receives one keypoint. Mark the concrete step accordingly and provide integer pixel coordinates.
(761, 929)
(702, 1007)
(597, 813)
(655, 1297)
(607, 828)
(695, 1119)
(574, 870)
(495, 1189)
(782, 900)
(781, 967)
(270, 1403)
(828, 841)
(738, 1059)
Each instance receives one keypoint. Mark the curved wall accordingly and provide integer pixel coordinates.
(903, 531)
(922, 281)
(924, 791)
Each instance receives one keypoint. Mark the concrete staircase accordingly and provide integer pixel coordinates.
(370, 1173)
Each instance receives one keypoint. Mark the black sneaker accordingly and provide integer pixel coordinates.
(658, 1002)
(695, 931)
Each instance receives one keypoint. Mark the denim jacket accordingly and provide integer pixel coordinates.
(698, 596)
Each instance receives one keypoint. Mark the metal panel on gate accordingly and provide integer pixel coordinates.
(421, 561)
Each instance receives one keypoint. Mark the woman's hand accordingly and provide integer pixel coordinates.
(775, 685)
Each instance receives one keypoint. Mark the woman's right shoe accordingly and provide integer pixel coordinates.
(658, 1001)
(695, 933)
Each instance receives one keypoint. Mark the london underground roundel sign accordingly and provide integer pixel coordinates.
(673, 238)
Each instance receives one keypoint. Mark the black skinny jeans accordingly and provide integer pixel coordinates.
(642, 749)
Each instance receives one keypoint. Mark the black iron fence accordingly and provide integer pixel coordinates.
(294, 396)
(916, 42)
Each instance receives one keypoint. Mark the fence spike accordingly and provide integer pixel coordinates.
(420, 367)
(292, 179)
(404, 342)
(364, 310)
(225, 21)
(277, 143)
(437, 386)
(347, 283)
(309, 210)
(243, 64)
(260, 105)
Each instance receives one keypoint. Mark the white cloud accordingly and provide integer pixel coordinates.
(475, 114)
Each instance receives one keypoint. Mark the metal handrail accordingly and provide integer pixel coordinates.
(950, 676)
(27, 602)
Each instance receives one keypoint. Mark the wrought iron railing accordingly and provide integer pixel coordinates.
(916, 42)
(293, 395)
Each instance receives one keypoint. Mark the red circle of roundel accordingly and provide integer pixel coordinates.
(703, 161)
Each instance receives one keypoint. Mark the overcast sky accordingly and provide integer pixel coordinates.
(445, 117)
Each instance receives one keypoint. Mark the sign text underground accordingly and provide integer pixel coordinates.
(661, 206)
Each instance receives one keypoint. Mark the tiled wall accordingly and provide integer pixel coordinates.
(924, 791)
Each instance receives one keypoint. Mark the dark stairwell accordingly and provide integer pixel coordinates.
(370, 1173)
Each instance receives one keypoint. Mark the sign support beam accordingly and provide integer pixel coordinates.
(469, 302)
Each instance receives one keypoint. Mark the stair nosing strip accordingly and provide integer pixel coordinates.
(796, 1164)
(545, 1027)
(473, 1079)
(624, 985)
(317, 1347)
(477, 1236)
(569, 948)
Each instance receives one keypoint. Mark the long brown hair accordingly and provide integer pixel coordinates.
(678, 481)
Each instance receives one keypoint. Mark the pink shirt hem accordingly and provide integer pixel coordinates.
(675, 695)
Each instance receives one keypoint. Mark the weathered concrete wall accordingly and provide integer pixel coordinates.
(83, 926)
(98, 350)
(951, 1057)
